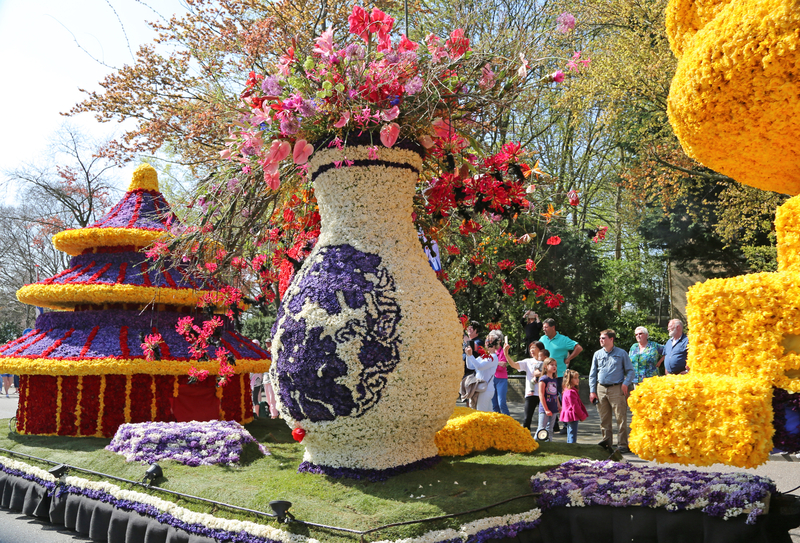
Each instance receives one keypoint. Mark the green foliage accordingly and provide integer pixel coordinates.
(9, 331)
(258, 326)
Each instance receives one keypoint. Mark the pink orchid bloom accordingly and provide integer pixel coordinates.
(426, 142)
(302, 150)
(523, 70)
(343, 120)
(389, 134)
(225, 153)
(359, 22)
(272, 180)
(457, 44)
(566, 22)
(390, 114)
(557, 76)
(372, 153)
(324, 45)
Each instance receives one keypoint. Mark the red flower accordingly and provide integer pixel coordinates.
(530, 265)
(464, 321)
(494, 325)
(298, 434)
(453, 250)
(468, 227)
(601, 234)
(554, 240)
(479, 281)
(457, 44)
(573, 198)
(442, 276)
(461, 284)
(359, 22)
(507, 289)
(505, 264)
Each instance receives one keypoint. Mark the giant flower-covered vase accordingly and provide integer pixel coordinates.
(367, 342)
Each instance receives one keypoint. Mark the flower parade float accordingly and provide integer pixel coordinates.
(735, 88)
(83, 370)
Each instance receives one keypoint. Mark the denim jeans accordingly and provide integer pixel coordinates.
(572, 431)
(546, 422)
(499, 404)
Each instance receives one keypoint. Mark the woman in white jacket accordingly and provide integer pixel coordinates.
(485, 367)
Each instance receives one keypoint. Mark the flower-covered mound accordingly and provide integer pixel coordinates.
(582, 482)
(735, 91)
(191, 443)
(222, 529)
(470, 431)
(702, 420)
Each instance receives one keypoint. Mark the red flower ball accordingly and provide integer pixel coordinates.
(298, 434)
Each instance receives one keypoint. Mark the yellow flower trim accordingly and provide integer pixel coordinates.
(75, 241)
(733, 102)
(122, 366)
(65, 297)
(58, 404)
(176, 387)
(128, 388)
(219, 392)
(153, 410)
(469, 431)
(787, 224)
(702, 420)
(102, 399)
(78, 405)
(144, 177)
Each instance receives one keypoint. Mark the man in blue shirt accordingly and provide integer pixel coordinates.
(609, 379)
(676, 350)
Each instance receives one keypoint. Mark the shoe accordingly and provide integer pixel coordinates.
(624, 450)
(605, 445)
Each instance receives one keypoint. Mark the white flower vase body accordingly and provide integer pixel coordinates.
(367, 343)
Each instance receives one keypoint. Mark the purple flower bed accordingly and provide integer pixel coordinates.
(373, 475)
(190, 443)
(583, 482)
(138, 209)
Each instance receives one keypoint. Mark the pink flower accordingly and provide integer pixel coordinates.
(523, 69)
(566, 22)
(576, 58)
(557, 76)
(325, 43)
(278, 151)
(389, 134)
(372, 152)
(406, 45)
(487, 78)
(272, 180)
(302, 150)
(343, 120)
(382, 24)
(457, 44)
(359, 22)
(390, 114)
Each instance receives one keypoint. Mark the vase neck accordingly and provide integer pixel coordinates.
(362, 196)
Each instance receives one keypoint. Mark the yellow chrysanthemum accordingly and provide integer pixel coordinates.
(734, 99)
(67, 296)
(702, 420)
(469, 431)
(75, 241)
(144, 177)
(122, 366)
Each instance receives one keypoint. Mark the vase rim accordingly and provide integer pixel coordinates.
(369, 138)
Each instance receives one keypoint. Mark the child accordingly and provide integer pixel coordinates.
(548, 397)
(532, 368)
(573, 409)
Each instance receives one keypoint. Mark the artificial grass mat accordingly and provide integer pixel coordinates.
(456, 485)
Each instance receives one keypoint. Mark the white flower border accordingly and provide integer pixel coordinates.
(260, 530)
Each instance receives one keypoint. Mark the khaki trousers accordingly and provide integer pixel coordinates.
(608, 399)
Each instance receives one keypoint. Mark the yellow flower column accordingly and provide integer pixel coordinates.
(735, 106)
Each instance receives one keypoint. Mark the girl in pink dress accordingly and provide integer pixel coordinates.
(572, 408)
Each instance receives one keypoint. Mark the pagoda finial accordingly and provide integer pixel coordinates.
(144, 177)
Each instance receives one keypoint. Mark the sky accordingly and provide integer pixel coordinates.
(43, 66)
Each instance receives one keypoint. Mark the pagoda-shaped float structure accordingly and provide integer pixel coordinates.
(82, 369)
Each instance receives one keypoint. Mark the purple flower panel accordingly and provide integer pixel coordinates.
(72, 346)
(105, 343)
(308, 364)
(43, 344)
(138, 209)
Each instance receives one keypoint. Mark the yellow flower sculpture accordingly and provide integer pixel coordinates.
(474, 431)
(734, 99)
(735, 107)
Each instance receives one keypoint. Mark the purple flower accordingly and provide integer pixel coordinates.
(566, 22)
(289, 124)
(414, 85)
(271, 86)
